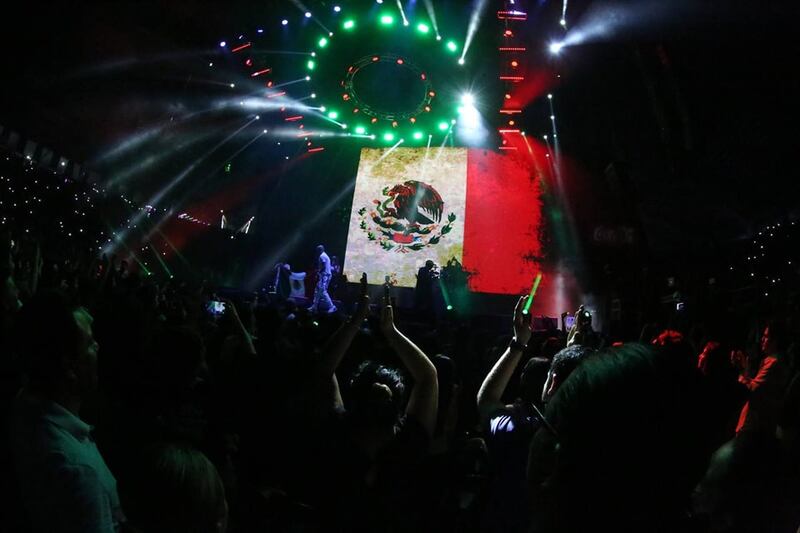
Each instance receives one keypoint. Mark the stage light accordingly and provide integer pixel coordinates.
(467, 99)
(233, 85)
(423, 28)
(323, 42)
(265, 131)
(388, 137)
(313, 95)
(310, 65)
(443, 126)
(563, 22)
(222, 44)
(284, 22)
(349, 24)
(387, 20)
(308, 78)
(260, 30)
(452, 46)
(344, 126)
(378, 1)
(323, 108)
(418, 135)
(337, 9)
(460, 60)
(552, 117)
(555, 48)
(308, 14)
(438, 37)
(333, 114)
(361, 130)
(258, 117)
(449, 307)
(549, 96)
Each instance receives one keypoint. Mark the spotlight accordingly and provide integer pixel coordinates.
(361, 130)
(258, 117)
(460, 60)
(563, 22)
(310, 65)
(323, 42)
(349, 24)
(337, 9)
(333, 114)
(549, 96)
(308, 78)
(379, 1)
(284, 22)
(555, 48)
(423, 28)
(387, 20)
(323, 108)
(233, 85)
(467, 99)
(417, 135)
(452, 46)
(552, 117)
(313, 95)
(308, 14)
(388, 137)
(438, 37)
(449, 307)
(222, 44)
(443, 126)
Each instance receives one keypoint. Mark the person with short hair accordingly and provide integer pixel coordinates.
(324, 275)
(65, 483)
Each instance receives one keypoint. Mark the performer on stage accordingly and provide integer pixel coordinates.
(423, 292)
(323, 279)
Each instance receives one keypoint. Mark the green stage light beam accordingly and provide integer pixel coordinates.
(526, 309)
(445, 295)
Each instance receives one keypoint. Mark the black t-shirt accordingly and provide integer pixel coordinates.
(353, 492)
(508, 436)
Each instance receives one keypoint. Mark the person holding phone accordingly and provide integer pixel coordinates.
(324, 275)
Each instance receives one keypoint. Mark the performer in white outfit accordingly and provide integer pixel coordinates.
(321, 295)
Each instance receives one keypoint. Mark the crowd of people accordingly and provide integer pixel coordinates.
(128, 406)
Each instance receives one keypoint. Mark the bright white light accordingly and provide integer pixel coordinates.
(233, 85)
(258, 117)
(322, 108)
(549, 96)
(308, 14)
(222, 44)
(467, 99)
(379, 1)
(556, 48)
(337, 8)
(284, 22)
(552, 117)
(406, 23)
(563, 22)
(460, 60)
(438, 37)
(308, 78)
(265, 131)
(313, 95)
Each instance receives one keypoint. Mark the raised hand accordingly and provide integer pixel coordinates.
(522, 322)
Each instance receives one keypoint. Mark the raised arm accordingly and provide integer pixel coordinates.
(424, 399)
(496, 381)
(340, 342)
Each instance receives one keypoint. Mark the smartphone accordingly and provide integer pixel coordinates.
(215, 307)
(569, 322)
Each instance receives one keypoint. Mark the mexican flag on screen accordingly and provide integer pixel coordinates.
(477, 207)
